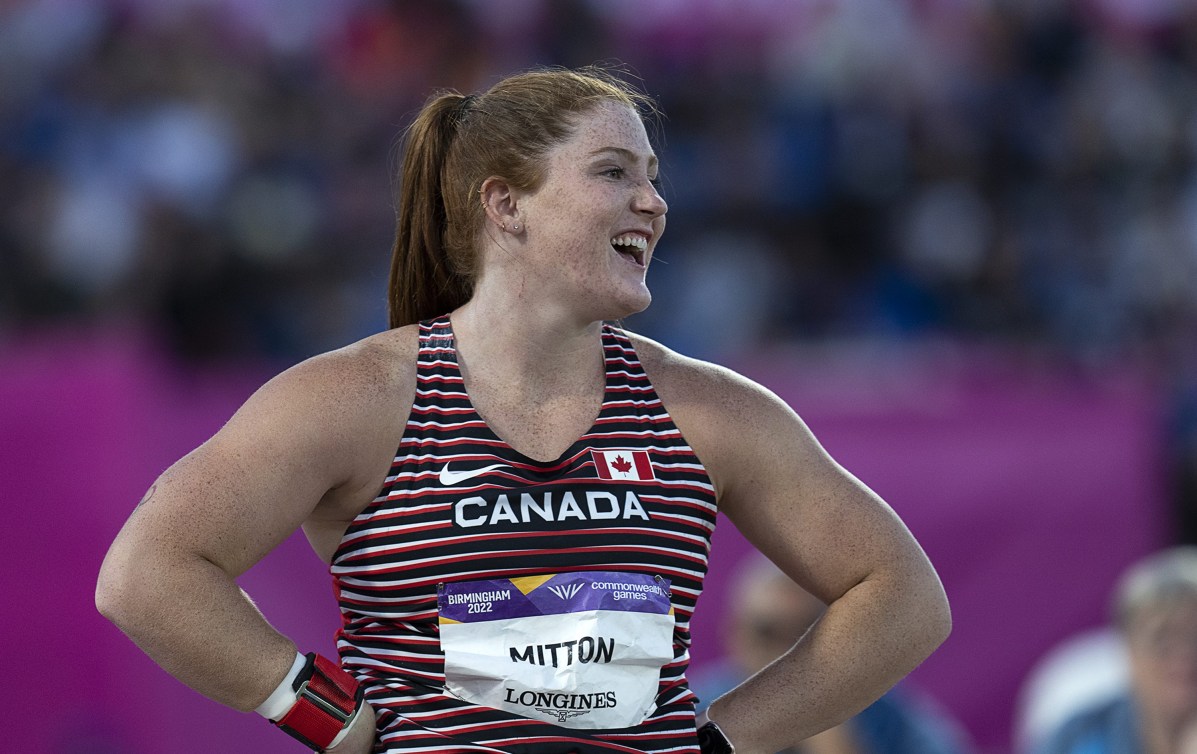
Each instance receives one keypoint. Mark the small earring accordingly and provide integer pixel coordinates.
(515, 227)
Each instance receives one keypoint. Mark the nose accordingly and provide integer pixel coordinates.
(649, 201)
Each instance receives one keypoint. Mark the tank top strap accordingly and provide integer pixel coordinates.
(627, 382)
(436, 340)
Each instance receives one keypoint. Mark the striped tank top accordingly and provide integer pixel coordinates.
(460, 504)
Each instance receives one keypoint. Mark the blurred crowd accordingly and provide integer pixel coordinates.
(1021, 171)
(1000, 169)
(1018, 170)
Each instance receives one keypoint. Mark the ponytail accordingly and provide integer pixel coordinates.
(424, 281)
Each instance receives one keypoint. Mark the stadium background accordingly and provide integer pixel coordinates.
(959, 236)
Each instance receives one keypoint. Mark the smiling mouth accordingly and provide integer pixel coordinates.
(632, 247)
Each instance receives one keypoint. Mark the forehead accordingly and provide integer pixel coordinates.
(610, 125)
(1164, 613)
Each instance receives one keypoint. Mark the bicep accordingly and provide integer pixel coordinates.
(245, 490)
(219, 505)
(802, 509)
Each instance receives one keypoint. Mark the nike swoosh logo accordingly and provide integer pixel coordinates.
(450, 478)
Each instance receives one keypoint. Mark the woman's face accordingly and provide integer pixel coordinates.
(1162, 645)
(594, 222)
(769, 616)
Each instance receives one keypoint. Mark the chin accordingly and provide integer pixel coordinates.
(595, 304)
(632, 305)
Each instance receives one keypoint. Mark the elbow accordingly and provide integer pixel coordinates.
(117, 590)
(937, 620)
(944, 622)
(926, 617)
(109, 593)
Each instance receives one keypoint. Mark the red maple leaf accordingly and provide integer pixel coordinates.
(621, 465)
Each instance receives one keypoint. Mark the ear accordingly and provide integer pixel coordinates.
(501, 203)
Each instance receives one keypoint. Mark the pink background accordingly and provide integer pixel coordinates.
(1030, 488)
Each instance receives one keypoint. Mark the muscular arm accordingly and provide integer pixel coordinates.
(886, 608)
(308, 445)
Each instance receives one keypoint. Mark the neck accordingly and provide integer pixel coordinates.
(520, 345)
(1162, 734)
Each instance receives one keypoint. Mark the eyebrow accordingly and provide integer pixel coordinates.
(625, 153)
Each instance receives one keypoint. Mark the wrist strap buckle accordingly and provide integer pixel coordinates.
(327, 701)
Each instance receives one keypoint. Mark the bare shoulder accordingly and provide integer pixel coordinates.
(773, 479)
(309, 447)
(375, 361)
(348, 399)
(373, 368)
(327, 426)
(693, 384)
(720, 412)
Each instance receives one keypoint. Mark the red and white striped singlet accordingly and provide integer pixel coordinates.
(460, 504)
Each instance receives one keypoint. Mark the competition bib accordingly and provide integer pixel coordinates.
(580, 650)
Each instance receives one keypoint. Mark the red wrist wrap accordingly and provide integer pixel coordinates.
(327, 700)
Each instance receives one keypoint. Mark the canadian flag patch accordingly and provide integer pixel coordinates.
(632, 465)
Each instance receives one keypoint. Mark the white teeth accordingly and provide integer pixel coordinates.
(631, 239)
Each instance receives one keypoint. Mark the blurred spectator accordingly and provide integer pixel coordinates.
(1081, 672)
(766, 615)
(1155, 612)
